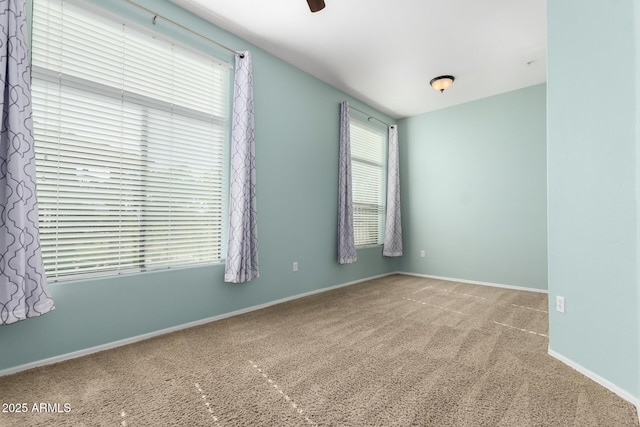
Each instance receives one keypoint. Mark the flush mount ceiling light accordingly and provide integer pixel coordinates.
(442, 83)
(316, 5)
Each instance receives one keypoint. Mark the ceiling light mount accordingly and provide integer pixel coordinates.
(316, 5)
(442, 83)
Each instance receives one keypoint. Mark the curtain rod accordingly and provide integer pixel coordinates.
(369, 117)
(157, 15)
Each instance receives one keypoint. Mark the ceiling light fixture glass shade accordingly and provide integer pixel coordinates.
(316, 5)
(442, 83)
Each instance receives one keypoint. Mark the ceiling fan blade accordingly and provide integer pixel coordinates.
(316, 5)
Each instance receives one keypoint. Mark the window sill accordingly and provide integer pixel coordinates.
(377, 245)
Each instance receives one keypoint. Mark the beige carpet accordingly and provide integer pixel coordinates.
(396, 351)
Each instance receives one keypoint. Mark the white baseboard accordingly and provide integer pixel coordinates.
(597, 378)
(475, 282)
(114, 344)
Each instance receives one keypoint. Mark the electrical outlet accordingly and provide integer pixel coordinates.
(295, 265)
(560, 304)
(423, 254)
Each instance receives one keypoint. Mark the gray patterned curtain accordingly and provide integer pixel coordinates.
(393, 225)
(242, 250)
(23, 284)
(346, 241)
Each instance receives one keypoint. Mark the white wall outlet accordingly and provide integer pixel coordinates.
(423, 254)
(295, 265)
(559, 304)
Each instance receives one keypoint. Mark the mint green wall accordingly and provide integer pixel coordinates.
(474, 190)
(593, 187)
(637, 32)
(297, 161)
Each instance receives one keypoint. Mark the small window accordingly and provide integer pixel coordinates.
(368, 148)
(130, 130)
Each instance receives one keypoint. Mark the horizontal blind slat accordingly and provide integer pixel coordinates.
(130, 132)
(368, 180)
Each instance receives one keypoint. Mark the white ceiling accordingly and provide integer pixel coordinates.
(385, 52)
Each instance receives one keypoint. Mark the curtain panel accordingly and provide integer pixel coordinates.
(393, 224)
(346, 239)
(23, 284)
(242, 250)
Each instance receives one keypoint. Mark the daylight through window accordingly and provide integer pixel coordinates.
(130, 132)
(368, 148)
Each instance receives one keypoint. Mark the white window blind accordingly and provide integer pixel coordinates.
(368, 147)
(130, 131)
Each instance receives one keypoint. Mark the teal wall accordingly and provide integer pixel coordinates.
(297, 167)
(474, 190)
(593, 185)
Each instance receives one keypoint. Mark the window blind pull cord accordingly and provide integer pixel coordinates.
(157, 15)
(369, 118)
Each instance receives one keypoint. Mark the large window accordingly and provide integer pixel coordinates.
(130, 131)
(368, 147)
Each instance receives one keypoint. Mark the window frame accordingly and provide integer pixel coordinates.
(224, 124)
(382, 132)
